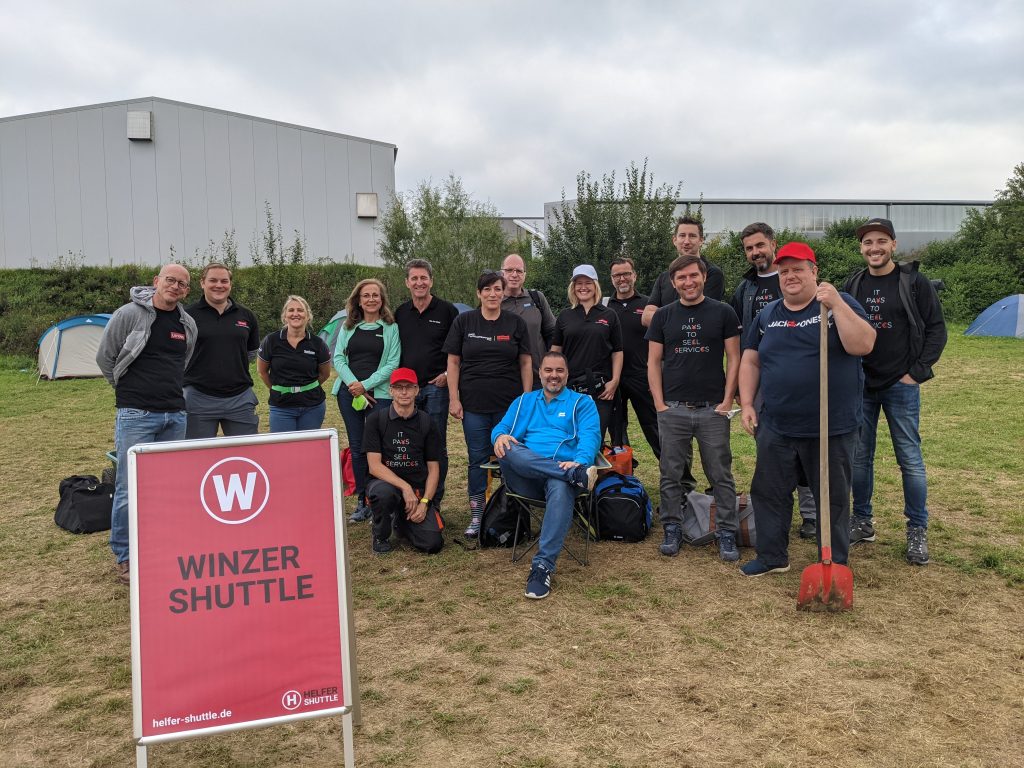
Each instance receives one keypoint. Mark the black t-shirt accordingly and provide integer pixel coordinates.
(294, 367)
(365, 349)
(220, 362)
(694, 348)
(787, 344)
(767, 291)
(405, 445)
(588, 339)
(153, 380)
(423, 334)
(889, 360)
(489, 378)
(634, 344)
(664, 293)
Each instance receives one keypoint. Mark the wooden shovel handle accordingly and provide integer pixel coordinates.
(825, 517)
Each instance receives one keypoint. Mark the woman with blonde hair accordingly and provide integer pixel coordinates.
(294, 363)
(367, 351)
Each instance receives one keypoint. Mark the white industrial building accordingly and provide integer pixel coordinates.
(135, 181)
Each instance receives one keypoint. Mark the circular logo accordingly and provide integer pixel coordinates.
(291, 700)
(234, 490)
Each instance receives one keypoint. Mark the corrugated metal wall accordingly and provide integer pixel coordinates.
(72, 181)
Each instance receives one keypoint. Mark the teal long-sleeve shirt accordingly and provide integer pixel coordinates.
(377, 382)
(565, 429)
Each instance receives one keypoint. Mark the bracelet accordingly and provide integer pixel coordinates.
(425, 501)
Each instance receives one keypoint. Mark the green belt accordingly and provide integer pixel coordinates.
(295, 390)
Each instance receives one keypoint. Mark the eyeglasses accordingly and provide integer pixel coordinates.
(514, 271)
(620, 275)
(173, 281)
(404, 387)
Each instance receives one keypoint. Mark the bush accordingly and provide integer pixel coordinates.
(971, 287)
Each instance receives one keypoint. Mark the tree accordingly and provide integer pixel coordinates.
(606, 220)
(459, 236)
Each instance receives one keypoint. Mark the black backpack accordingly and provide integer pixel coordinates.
(85, 504)
(622, 507)
(499, 522)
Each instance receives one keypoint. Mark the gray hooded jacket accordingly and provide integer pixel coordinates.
(127, 332)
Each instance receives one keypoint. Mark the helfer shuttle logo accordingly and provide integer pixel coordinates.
(234, 490)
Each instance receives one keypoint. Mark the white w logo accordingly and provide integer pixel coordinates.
(226, 497)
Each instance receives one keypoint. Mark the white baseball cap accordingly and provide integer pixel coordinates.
(584, 270)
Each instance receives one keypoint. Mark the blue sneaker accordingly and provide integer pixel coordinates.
(757, 568)
(673, 539)
(362, 513)
(538, 585)
(727, 546)
(583, 477)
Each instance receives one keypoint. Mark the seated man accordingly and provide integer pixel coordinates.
(403, 453)
(546, 444)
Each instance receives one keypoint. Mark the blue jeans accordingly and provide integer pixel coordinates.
(902, 406)
(354, 424)
(434, 400)
(477, 429)
(132, 427)
(532, 475)
(284, 419)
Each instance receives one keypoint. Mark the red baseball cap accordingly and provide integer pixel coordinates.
(404, 374)
(796, 251)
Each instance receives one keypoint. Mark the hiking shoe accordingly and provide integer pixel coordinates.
(361, 513)
(381, 546)
(917, 545)
(757, 568)
(538, 584)
(124, 572)
(673, 539)
(809, 529)
(861, 529)
(727, 546)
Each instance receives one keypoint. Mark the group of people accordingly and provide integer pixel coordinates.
(540, 392)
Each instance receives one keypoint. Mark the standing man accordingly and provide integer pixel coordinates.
(687, 239)
(423, 324)
(143, 353)
(218, 385)
(781, 364)
(402, 450)
(531, 305)
(758, 288)
(904, 309)
(629, 306)
(693, 396)
(546, 443)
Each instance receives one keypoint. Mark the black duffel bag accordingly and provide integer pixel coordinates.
(85, 504)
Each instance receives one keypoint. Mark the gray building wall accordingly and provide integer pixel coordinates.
(71, 181)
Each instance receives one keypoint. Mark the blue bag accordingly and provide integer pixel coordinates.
(622, 508)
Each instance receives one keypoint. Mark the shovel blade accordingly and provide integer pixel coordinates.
(825, 587)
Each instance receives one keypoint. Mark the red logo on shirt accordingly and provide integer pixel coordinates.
(602, 321)
(242, 323)
(177, 336)
(504, 338)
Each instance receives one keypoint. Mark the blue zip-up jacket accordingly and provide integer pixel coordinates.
(565, 429)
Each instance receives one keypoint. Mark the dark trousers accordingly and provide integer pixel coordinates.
(635, 390)
(780, 461)
(388, 509)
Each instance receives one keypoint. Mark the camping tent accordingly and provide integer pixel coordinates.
(68, 348)
(1004, 318)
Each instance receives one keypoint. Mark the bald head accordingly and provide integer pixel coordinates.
(171, 286)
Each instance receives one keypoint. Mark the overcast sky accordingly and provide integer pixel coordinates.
(733, 99)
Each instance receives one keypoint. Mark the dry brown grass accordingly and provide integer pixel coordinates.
(636, 660)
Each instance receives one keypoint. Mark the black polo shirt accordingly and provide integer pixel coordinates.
(489, 377)
(220, 363)
(664, 293)
(405, 445)
(634, 345)
(153, 381)
(294, 367)
(588, 339)
(423, 335)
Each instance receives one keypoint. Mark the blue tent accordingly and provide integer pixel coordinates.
(68, 349)
(1004, 318)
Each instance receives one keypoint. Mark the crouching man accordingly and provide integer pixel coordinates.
(546, 444)
(403, 452)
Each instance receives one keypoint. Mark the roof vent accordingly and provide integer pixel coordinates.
(140, 126)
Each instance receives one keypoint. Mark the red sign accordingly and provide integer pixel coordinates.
(236, 584)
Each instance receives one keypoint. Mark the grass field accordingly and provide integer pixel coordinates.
(637, 660)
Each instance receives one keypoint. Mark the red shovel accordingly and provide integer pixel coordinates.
(825, 586)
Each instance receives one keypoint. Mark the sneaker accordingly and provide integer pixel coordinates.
(473, 529)
(757, 568)
(861, 529)
(917, 545)
(809, 529)
(362, 513)
(538, 584)
(673, 539)
(124, 572)
(381, 546)
(727, 546)
(584, 477)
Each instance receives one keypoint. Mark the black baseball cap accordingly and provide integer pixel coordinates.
(873, 225)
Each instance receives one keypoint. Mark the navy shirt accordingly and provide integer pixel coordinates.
(294, 367)
(220, 363)
(423, 334)
(787, 343)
